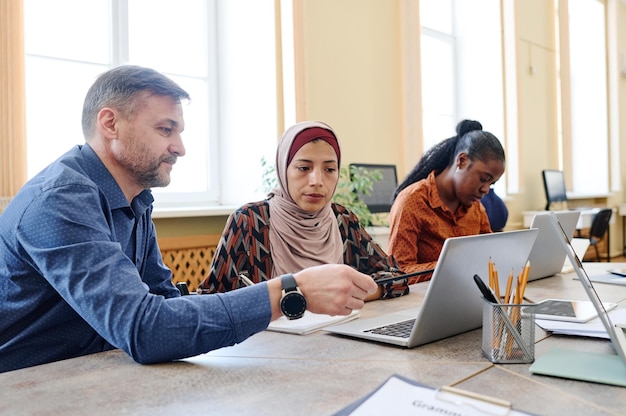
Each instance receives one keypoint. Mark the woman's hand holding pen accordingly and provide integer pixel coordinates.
(386, 277)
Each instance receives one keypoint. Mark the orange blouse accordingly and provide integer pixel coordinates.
(420, 222)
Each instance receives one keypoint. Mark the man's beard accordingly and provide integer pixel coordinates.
(146, 174)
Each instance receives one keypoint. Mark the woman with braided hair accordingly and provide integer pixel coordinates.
(440, 197)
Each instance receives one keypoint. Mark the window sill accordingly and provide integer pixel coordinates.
(573, 195)
(201, 211)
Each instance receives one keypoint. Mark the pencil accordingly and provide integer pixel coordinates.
(496, 283)
(524, 280)
(509, 286)
(518, 288)
(513, 312)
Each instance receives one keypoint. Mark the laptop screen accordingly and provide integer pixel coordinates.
(616, 339)
(554, 186)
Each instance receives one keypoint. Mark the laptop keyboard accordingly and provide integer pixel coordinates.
(399, 329)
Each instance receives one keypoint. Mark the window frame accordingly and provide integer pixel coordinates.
(570, 158)
(464, 103)
(233, 160)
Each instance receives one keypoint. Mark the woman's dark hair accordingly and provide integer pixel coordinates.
(470, 138)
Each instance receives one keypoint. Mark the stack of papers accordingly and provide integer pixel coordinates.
(592, 328)
(309, 323)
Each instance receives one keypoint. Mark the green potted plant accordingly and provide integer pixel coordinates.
(352, 182)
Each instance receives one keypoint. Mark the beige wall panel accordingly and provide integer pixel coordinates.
(537, 121)
(352, 56)
(536, 22)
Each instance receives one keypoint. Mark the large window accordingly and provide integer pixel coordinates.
(585, 42)
(438, 71)
(462, 70)
(221, 52)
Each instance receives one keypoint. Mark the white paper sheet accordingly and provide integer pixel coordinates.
(593, 328)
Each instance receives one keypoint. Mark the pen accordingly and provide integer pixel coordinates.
(485, 290)
(246, 281)
(490, 297)
(404, 276)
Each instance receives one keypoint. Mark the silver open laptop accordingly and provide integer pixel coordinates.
(616, 332)
(452, 304)
(581, 365)
(547, 255)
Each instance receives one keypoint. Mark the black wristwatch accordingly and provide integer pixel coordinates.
(293, 302)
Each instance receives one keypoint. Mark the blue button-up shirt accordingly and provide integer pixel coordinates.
(81, 272)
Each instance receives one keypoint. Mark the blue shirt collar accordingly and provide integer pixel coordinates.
(98, 173)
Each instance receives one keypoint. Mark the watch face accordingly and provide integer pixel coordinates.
(293, 305)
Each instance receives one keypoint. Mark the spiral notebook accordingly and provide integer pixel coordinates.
(309, 323)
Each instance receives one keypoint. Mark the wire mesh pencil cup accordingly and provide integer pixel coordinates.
(508, 332)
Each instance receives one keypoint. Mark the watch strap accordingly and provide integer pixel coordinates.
(292, 303)
(288, 283)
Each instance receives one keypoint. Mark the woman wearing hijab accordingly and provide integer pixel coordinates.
(298, 225)
(440, 198)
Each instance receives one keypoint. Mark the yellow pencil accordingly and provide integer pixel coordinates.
(509, 286)
(524, 278)
(490, 268)
(496, 283)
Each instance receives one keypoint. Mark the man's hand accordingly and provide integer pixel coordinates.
(331, 289)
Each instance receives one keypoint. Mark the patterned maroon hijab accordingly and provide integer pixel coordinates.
(300, 239)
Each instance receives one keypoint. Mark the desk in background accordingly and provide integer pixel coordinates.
(281, 374)
(584, 221)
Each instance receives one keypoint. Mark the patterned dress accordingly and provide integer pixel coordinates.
(245, 248)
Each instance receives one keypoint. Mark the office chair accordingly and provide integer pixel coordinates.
(599, 227)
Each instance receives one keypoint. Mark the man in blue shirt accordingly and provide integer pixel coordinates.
(80, 268)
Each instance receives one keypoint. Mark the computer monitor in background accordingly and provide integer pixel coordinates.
(554, 185)
(382, 193)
